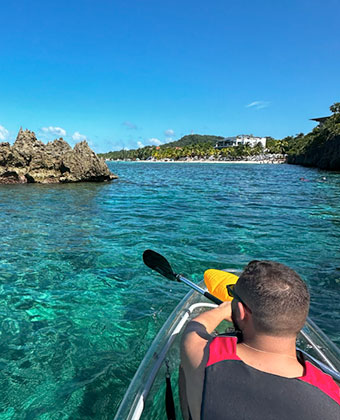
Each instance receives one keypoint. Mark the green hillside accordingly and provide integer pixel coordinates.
(192, 139)
(189, 141)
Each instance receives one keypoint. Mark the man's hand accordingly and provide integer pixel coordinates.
(226, 308)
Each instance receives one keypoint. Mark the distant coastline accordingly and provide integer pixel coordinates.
(259, 159)
(318, 149)
(249, 162)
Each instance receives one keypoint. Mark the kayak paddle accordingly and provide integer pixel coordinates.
(160, 264)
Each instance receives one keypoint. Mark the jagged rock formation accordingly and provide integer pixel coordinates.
(30, 160)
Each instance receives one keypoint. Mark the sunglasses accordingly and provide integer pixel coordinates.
(233, 294)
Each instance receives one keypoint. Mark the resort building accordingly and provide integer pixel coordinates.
(320, 120)
(241, 139)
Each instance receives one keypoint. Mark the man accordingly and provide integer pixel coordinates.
(259, 377)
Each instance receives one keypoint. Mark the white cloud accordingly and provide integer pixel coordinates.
(130, 125)
(169, 133)
(258, 104)
(155, 141)
(54, 130)
(78, 137)
(3, 133)
(140, 144)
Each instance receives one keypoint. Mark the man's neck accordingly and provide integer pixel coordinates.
(271, 344)
(275, 355)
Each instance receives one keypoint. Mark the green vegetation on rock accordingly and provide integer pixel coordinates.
(321, 147)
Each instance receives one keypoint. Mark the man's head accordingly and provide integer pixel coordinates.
(277, 297)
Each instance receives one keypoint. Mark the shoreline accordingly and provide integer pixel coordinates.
(256, 162)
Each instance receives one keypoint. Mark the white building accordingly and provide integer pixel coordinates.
(241, 139)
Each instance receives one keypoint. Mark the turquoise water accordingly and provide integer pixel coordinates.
(78, 309)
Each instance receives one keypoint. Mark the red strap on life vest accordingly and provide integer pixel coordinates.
(222, 348)
(321, 380)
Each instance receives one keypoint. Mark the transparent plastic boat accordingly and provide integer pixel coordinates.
(145, 397)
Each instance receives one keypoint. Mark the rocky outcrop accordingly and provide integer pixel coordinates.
(320, 154)
(30, 160)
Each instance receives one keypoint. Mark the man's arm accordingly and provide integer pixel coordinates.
(194, 352)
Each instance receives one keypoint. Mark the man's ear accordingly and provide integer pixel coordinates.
(241, 310)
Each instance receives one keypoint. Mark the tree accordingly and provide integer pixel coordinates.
(335, 108)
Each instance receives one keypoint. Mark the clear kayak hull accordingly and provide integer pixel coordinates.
(145, 397)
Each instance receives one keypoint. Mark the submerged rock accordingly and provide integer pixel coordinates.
(30, 160)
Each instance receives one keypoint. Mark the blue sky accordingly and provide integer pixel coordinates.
(131, 73)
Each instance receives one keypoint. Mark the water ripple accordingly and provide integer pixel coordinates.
(78, 307)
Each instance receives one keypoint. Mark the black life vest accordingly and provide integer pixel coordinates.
(234, 390)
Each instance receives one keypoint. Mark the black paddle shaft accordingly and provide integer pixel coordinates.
(213, 298)
(160, 264)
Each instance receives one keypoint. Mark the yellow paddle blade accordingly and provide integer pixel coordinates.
(216, 282)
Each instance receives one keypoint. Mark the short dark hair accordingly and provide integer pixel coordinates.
(278, 297)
